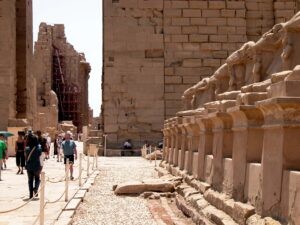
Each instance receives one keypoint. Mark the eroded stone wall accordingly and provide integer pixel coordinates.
(75, 71)
(154, 50)
(17, 99)
(133, 94)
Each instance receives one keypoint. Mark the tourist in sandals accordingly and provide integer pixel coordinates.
(70, 152)
(20, 153)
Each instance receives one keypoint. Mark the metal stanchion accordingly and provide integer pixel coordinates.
(80, 169)
(88, 164)
(67, 181)
(42, 199)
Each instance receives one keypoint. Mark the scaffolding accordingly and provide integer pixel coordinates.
(66, 91)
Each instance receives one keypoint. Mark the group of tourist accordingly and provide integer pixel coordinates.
(32, 149)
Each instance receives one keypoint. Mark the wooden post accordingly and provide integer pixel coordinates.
(80, 169)
(42, 199)
(155, 156)
(67, 181)
(88, 164)
(97, 159)
(150, 153)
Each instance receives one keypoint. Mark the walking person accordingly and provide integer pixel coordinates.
(33, 166)
(43, 142)
(20, 153)
(55, 147)
(2, 152)
(70, 152)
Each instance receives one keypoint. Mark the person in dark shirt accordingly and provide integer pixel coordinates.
(33, 166)
(20, 153)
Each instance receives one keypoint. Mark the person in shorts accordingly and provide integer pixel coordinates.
(70, 152)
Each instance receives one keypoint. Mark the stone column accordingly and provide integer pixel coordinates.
(166, 141)
(193, 142)
(280, 148)
(183, 146)
(205, 143)
(172, 142)
(177, 141)
(222, 146)
(247, 144)
(281, 141)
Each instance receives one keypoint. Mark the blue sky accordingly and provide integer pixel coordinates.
(83, 24)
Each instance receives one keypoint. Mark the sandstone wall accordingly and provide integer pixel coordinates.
(75, 70)
(133, 94)
(17, 101)
(154, 50)
(200, 35)
(7, 62)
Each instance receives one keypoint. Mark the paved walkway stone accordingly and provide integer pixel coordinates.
(14, 190)
(102, 207)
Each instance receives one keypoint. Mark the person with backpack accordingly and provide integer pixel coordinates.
(70, 152)
(43, 142)
(33, 152)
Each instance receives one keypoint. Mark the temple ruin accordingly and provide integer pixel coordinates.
(154, 50)
(238, 135)
(60, 70)
(17, 97)
(44, 87)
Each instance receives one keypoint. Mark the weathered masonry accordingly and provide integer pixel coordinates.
(16, 88)
(155, 49)
(62, 74)
(237, 139)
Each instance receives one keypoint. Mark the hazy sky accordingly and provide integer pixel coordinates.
(83, 24)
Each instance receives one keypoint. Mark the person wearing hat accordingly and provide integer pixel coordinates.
(70, 152)
(2, 151)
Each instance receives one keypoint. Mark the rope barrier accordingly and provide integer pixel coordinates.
(55, 201)
(21, 206)
(55, 181)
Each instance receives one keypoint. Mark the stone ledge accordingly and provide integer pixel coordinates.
(197, 200)
(73, 204)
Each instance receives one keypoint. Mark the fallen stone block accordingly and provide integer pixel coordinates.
(137, 187)
(216, 199)
(190, 212)
(161, 172)
(200, 186)
(218, 216)
(241, 212)
(157, 154)
(257, 220)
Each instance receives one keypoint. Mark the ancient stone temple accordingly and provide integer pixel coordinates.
(62, 76)
(16, 86)
(155, 49)
(237, 139)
